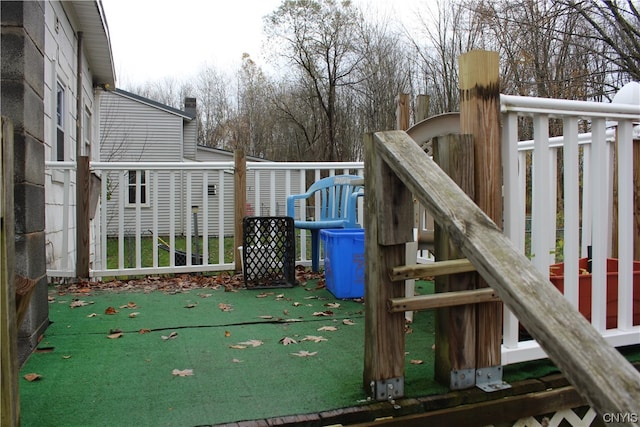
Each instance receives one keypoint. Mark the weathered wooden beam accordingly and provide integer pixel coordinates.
(83, 196)
(384, 250)
(442, 300)
(9, 395)
(240, 188)
(603, 376)
(499, 411)
(455, 327)
(438, 268)
(480, 117)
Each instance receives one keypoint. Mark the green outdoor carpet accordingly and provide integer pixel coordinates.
(88, 379)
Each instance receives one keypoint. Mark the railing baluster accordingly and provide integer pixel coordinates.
(571, 236)
(221, 219)
(625, 222)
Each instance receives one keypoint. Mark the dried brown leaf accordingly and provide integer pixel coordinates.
(78, 303)
(314, 338)
(92, 315)
(144, 331)
(327, 328)
(416, 362)
(110, 310)
(134, 314)
(238, 346)
(171, 336)
(225, 307)
(304, 353)
(32, 377)
(287, 341)
(332, 304)
(323, 313)
(115, 335)
(348, 322)
(183, 372)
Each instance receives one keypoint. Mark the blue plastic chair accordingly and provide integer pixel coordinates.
(338, 208)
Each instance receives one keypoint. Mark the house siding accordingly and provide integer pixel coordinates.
(60, 62)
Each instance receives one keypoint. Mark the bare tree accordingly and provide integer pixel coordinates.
(616, 24)
(318, 39)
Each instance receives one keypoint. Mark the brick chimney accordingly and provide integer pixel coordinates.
(190, 106)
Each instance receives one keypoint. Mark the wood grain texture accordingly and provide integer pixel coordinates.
(9, 395)
(384, 331)
(456, 332)
(607, 380)
(437, 268)
(480, 118)
(240, 199)
(447, 299)
(83, 196)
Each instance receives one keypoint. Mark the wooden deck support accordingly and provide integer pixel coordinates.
(480, 117)
(388, 223)
(607, 381)
(240, 184)
(455, 331)
(9, 395)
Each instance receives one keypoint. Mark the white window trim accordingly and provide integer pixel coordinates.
(145, 187)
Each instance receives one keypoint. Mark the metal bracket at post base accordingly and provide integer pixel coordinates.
(490, 379)
(389, 389)
(462, 379)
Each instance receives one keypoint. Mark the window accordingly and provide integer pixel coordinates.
(60, 110)
(86, 132)
(212, 190)
(144, 189)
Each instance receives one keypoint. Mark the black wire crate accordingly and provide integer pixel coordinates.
(268, 252)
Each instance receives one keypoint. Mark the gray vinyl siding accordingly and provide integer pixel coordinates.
(133, 132)
(190, 138)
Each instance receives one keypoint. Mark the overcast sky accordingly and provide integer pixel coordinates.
(156, 39)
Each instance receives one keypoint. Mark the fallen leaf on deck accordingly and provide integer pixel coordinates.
(115, 335)
(130, 305)
(78, 303)
(66, 357)
(332, 304)
(92, 315)
(264, 295)
(328, 328)
(296, 304)
(279, 296)
(110, 310)
(134, 314)
(323, 313)
(171, 336)
(348, 322)
(252, 343)
(51, 298)
(191, 305)
(238, 346)
(304, 353)
(236, 360)
(204, 295)
(227, 333)
(285, 312)
(225, 307)
(314, 338)
(144, 331)
(287, 341)
(32, 377)
(416, 362)
(182, 373)
(266, 317)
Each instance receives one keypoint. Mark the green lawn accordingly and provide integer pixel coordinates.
(180, 245)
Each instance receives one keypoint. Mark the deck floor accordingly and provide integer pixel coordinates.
(90, 379)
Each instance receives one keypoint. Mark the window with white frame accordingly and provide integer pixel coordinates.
(60, 112)
(138, 180)
(86, 132)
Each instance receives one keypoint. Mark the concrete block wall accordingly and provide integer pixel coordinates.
(22, 101)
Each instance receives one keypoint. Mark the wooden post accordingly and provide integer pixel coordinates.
(480, 117)
(9, 394)
(240, 187)
(83, 211)
(422, 107)
(402, 112)
(388, 227)
(455, 357)
(636, 199)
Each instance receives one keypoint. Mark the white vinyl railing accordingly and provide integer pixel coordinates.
(569, 220)
(584, 204)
